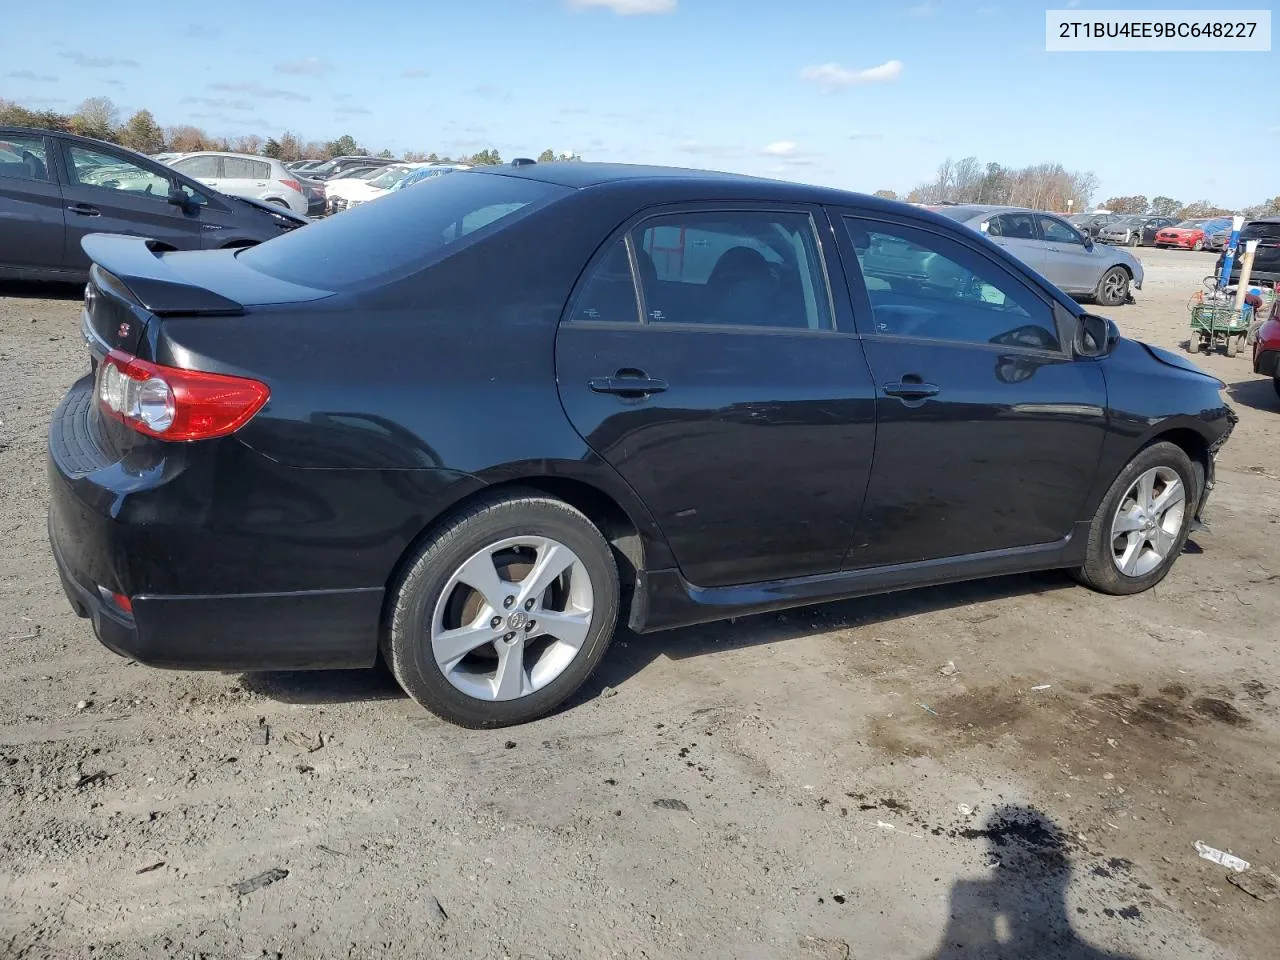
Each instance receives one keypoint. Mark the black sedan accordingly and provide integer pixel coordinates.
(478, 425)
(56, 188)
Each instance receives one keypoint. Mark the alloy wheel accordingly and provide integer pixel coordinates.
(1147, 521)
(1115, 286)
(512, 618)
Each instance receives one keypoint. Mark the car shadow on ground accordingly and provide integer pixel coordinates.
(1257, 392)
(1020, 910)
(41, 290)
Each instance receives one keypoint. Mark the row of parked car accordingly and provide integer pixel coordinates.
(1206, 233)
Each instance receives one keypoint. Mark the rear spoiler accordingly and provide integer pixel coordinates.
(138, 264)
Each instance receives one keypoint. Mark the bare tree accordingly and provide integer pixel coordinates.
(247, 143)
(96, 117)
(185, 138)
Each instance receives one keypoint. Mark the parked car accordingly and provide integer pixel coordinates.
(1187, 235)
(1050, 245)
(354, 184)
(302, 166)
(1217, 232)
(345, 194)
(339, 166)
(245, 175)
(426, 173)
(484, 479)
(56, 188)
(1090, 224)
(1266, 348)
(1154, 225)
(1266, 259)
(1125, 231)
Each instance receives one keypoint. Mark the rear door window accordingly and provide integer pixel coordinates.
(201, 168)
(23, 158)
(242, 168)
(379, 242)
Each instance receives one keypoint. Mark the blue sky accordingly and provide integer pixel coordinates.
(852, 93)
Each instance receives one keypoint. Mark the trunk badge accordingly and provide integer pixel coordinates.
(122, 331)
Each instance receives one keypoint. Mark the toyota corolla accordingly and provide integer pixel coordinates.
(476, 427)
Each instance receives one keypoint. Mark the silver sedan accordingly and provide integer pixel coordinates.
(1056, 250)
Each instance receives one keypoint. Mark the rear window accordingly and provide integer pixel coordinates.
(1259, 230)
(401, 233)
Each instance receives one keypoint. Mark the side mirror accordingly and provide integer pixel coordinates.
(1088, 242)
(178, 197)
(1095, 336)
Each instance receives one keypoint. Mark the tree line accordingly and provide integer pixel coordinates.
(99, 118)
(1049, 186)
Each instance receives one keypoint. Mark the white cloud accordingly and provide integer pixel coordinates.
(30, 75)
(258, 90)
(84, 60)
(922, 10)
(832, 76)
(782, 148)
(628, 8)
(310, 67)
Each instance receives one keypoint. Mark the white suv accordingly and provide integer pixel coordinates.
(244, 175)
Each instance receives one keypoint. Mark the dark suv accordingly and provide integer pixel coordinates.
(1266, 260)
(56, 188)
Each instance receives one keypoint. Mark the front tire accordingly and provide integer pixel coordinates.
(1198, 246)
(1113, 287)
(1142, 523)
(1275, 382)
(504, 613)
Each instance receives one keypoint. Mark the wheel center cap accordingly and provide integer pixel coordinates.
(517, 620)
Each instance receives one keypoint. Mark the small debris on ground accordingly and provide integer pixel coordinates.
(434, 913)
(949, 669)
(927, 709)
(671, 805)
(509, 745)
(261, 880)
(964, 810)
(304, 741)
(1219, 856)
(147, 869)
(85, 779)
(608, 692)
(261, 735)
(84, 704)
(885, 826)
(1042, 686)
(1261, 884)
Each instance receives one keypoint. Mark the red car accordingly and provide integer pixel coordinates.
(1266, 348)
(1187, 235)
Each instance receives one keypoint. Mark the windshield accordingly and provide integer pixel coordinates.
(369, 244)
(389, 177)
(1188, 225)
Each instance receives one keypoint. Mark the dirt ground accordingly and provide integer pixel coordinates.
(1013, 768)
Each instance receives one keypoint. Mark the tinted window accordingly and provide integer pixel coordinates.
(23, 158)
(382, 241)
(1013, 226)
(1259, 230)
(924, 285)
(90, 168)
(1053, 229)
(753, 269)
(242, 168)
(610, 290)
(200, 167)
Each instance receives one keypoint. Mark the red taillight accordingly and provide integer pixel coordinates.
(292, 185)
(123, 602)
(170, 403)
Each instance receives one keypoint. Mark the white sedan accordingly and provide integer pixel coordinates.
(346, 193)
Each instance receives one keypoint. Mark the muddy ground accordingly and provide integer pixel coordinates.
(818, 784)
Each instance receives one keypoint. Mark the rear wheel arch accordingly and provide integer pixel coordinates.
(604, 511)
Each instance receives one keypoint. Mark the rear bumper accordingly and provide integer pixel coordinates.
(189, 571)
(297, 631)
(1267, 363)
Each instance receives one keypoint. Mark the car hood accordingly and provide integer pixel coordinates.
(1177, 361)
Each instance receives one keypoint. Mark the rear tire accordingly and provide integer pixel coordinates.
(487, 655)
(1136, 537)
(1275, 382)
(279, 203)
